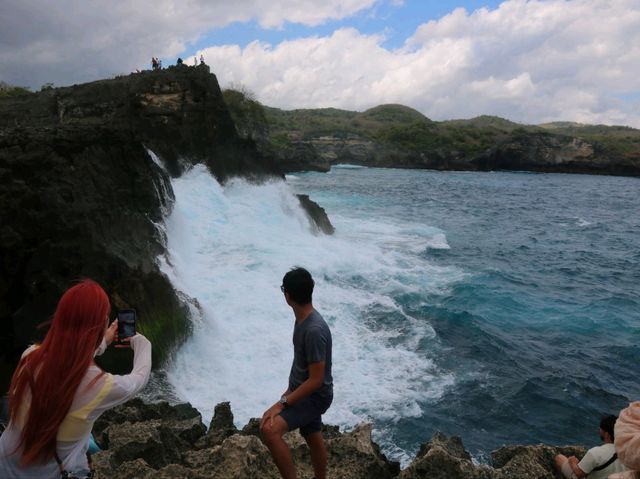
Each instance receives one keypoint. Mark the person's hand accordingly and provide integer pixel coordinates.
(573, 460)
(270, 413)
(111, 333)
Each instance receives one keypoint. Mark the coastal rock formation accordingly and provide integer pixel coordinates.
(85, 173)
(158, 440)
(547, 152)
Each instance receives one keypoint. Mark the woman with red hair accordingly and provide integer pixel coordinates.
(57, 390)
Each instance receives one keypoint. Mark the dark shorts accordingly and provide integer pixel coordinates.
(306, 414)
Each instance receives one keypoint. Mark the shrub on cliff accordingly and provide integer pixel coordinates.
(247, 113)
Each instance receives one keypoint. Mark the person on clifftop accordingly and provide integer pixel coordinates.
(57, 390)
(598, 462)
(310, 390)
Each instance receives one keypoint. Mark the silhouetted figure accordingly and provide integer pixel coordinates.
(154, 63)
(201, 59)
(179, 62)
(195, 61)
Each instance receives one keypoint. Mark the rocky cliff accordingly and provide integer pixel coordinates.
(162, 441)
(395, 136)
(85, 183)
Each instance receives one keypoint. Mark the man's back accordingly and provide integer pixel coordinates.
(595, 457)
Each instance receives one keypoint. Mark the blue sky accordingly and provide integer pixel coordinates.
(396, 22)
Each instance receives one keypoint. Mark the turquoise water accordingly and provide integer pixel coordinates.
(539, 324)
(501, 307)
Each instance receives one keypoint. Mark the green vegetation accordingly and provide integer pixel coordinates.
(396, 126)
(7, 90)
(247, 113)
(404, 129)
(620, 139)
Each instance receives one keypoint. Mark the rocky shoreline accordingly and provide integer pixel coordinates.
(159, 440)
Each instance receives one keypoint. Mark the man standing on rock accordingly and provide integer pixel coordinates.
(310, 390)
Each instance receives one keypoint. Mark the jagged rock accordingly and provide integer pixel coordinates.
(530, 462)
(318, 216)
(238, 457)
(444, 458)
(131, 470)
(150, 440)
(182, 417)
(252, 428)
(354, 455)
(159, 442)
(221, 426)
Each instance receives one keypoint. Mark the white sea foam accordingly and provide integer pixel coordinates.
(347, 166)
(229, 247)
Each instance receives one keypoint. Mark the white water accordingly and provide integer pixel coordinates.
(228, 247)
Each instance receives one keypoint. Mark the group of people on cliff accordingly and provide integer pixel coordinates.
(156, 63)
(58, 391)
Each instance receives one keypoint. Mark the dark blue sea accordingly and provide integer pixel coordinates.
(500, 307)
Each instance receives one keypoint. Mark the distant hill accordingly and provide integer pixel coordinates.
(398, 136)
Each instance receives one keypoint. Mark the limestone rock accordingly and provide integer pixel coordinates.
(444, 458)
(221, 426)
(238, 457)
(355, 456)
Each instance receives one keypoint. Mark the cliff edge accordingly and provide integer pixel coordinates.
(85, 173)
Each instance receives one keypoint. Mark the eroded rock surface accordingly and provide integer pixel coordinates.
(162, 441)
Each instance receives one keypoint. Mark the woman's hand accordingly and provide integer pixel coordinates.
(112, 330)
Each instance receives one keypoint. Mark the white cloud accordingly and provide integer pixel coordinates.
(531, 61)
(66, 41)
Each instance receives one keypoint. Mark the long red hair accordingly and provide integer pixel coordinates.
(52, 372)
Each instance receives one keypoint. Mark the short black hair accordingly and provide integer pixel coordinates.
(607, 424)
(298, 283)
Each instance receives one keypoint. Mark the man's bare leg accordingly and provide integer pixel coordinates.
(272, 437)
(318, 454)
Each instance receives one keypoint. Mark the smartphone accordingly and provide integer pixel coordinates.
(126, 323)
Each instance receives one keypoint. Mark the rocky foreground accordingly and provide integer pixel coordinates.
(158, 440)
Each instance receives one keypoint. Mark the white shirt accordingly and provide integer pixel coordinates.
(88, 404)
(596, 456)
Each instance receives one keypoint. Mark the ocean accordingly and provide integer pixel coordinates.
(500, 307)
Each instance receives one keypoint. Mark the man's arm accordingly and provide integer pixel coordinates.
(573, 462)
(311, 385)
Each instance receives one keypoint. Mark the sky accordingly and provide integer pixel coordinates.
(530, 61)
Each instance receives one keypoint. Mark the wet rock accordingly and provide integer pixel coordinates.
(317, 215)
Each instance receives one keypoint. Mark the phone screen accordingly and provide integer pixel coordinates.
(126, 323)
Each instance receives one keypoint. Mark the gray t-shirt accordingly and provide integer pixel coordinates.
(311, 344)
